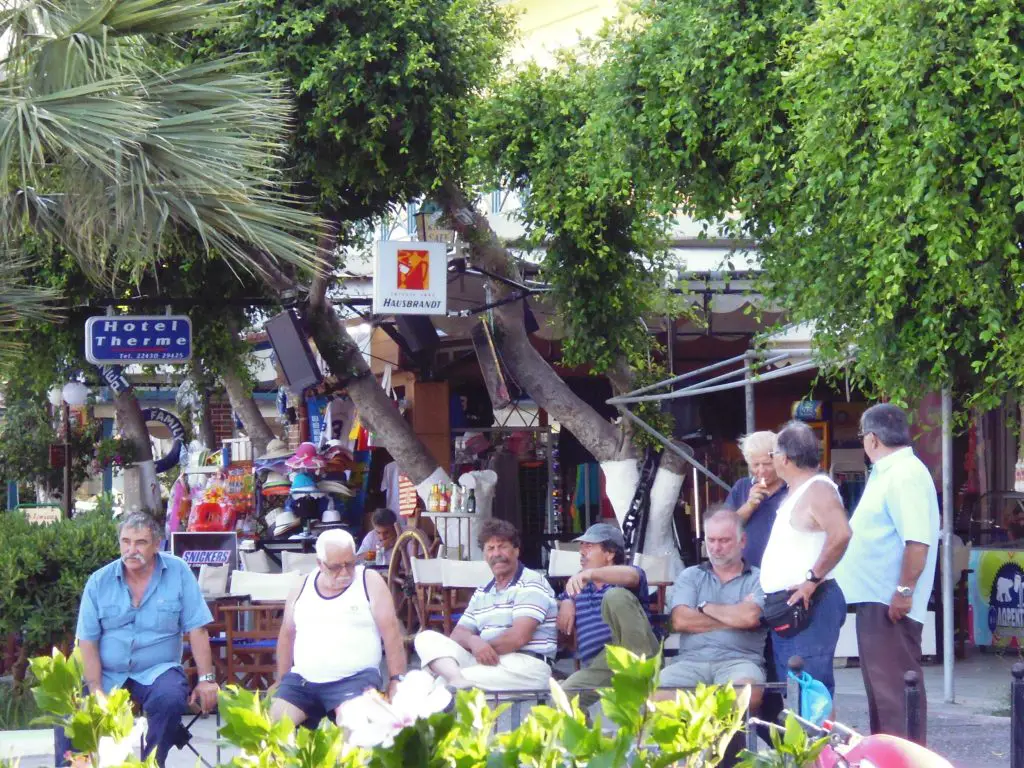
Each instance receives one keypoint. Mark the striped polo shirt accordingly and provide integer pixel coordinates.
(491, 611)
(592, 634)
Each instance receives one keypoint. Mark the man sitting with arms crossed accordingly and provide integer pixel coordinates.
(716, 609)
(133, 613)
(329, 647)
(605, 603)
(506, 638)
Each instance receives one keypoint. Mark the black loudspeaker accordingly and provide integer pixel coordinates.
(293, 352)
(419, 333)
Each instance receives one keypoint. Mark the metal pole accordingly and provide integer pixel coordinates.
(947, 545)
(700, 390)
(1017, 717)
(66, 416)
(912, 700)
(748, 390)
(675, 448)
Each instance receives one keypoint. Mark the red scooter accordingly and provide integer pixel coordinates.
(848, 749)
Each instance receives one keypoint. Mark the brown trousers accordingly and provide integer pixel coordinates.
(887, 652)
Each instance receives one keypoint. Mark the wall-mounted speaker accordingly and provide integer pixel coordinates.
(292, 351)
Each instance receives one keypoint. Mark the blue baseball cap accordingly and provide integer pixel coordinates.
(599, 533)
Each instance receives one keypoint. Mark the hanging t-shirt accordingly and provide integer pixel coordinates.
(390, 486)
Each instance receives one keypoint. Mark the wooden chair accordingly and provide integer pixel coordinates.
(251, 643)
(460, 578)
(218, 641)
(658, 578)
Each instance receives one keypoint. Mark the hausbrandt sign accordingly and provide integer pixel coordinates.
(410, 278)
(152, 339)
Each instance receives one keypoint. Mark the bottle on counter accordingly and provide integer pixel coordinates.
(471, 502)
(379, 558)
(443, 500)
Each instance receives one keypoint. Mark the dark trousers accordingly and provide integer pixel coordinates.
(887, 652)
(163, 703)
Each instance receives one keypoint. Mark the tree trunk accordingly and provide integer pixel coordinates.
(142, 491)
(206, 434)
(256, 427)
(347, 365)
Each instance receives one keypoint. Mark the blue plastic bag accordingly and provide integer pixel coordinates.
(815, 700)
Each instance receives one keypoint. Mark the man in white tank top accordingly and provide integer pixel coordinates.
(808, 539)
(335, 622)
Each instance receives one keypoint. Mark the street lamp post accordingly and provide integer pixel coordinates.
(74, 394)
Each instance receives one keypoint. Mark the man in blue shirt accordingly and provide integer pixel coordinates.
(130, 625)
(889, 568)
(756, 497)
(605, 603)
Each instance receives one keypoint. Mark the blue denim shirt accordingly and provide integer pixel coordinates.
(141, 643)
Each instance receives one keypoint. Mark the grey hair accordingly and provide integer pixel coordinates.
(722, 512)
(888, 423)
(139, 520)
(798, 443)
(757, 442)
(337, 537)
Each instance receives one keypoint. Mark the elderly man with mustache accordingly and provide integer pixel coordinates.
(130, 625)
(506, 638)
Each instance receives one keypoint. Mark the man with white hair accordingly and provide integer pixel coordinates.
(756, 497)
(330, 644)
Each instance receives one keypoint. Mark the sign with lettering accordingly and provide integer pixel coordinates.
(123, 339)
(198, 549)
(995, 586)
(410, 278)
(42, 514)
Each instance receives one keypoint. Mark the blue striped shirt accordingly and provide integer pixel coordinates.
(592, 634)
(491, 611)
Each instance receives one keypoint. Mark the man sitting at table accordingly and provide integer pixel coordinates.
(384, 533)
(605, 603)
(130, 624)
(506, 638)
(329, 646)
(716, 609)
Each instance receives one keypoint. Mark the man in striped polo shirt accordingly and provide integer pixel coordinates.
(607, 602)
(506, 638)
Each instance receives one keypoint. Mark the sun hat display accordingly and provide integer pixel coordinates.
(302, 484)
(286, 523)
(336, 448)
(305, 458)
(276, 484)
(333, 486)
(276, 449)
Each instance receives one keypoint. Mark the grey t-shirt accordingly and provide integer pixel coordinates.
(699, 583)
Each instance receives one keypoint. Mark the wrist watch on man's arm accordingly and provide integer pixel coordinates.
(904, 591)
(209, 677)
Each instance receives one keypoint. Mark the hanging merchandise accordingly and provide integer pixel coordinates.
(407, 497)
(179, 504)
(306, 458)
(276, 484)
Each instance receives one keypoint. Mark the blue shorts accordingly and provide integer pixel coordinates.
(816, 645)
(318, 700)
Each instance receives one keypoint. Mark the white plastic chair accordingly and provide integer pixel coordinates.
(298, 562)
(563, 564)
(264, 586)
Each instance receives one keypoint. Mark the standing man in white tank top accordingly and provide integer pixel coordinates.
(335, 623)
(808, 539)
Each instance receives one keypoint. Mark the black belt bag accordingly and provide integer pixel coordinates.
(784, 619)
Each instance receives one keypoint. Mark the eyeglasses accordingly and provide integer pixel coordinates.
(772, 454)
(861, 434)
(337, 570)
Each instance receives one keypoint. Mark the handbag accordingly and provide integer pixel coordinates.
(780, 617)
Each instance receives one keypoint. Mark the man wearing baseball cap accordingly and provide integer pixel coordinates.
(605, 603)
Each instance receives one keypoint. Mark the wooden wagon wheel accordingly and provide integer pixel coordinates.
(409, 544)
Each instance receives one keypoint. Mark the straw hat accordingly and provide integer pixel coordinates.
(286, 523)
(333, 486)
(305, 458)
(276, 449)
(330, 515)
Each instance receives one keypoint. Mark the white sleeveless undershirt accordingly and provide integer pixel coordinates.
(791, 552)
(335, 637)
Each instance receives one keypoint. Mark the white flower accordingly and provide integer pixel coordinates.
(371, 721)
(112, 752)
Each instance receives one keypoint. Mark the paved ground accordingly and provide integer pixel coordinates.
(972, 733)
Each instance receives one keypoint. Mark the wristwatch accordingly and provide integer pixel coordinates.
(812, 578)
(904, 591)
(209, 677)
(397, 678)
(700, 606)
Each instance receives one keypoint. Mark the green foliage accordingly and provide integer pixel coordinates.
(26, 433)
(541, 133)
(904, 230)
(17, 708)
(382, 89)
(44, 569)
(792, 748)
(692, 730)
